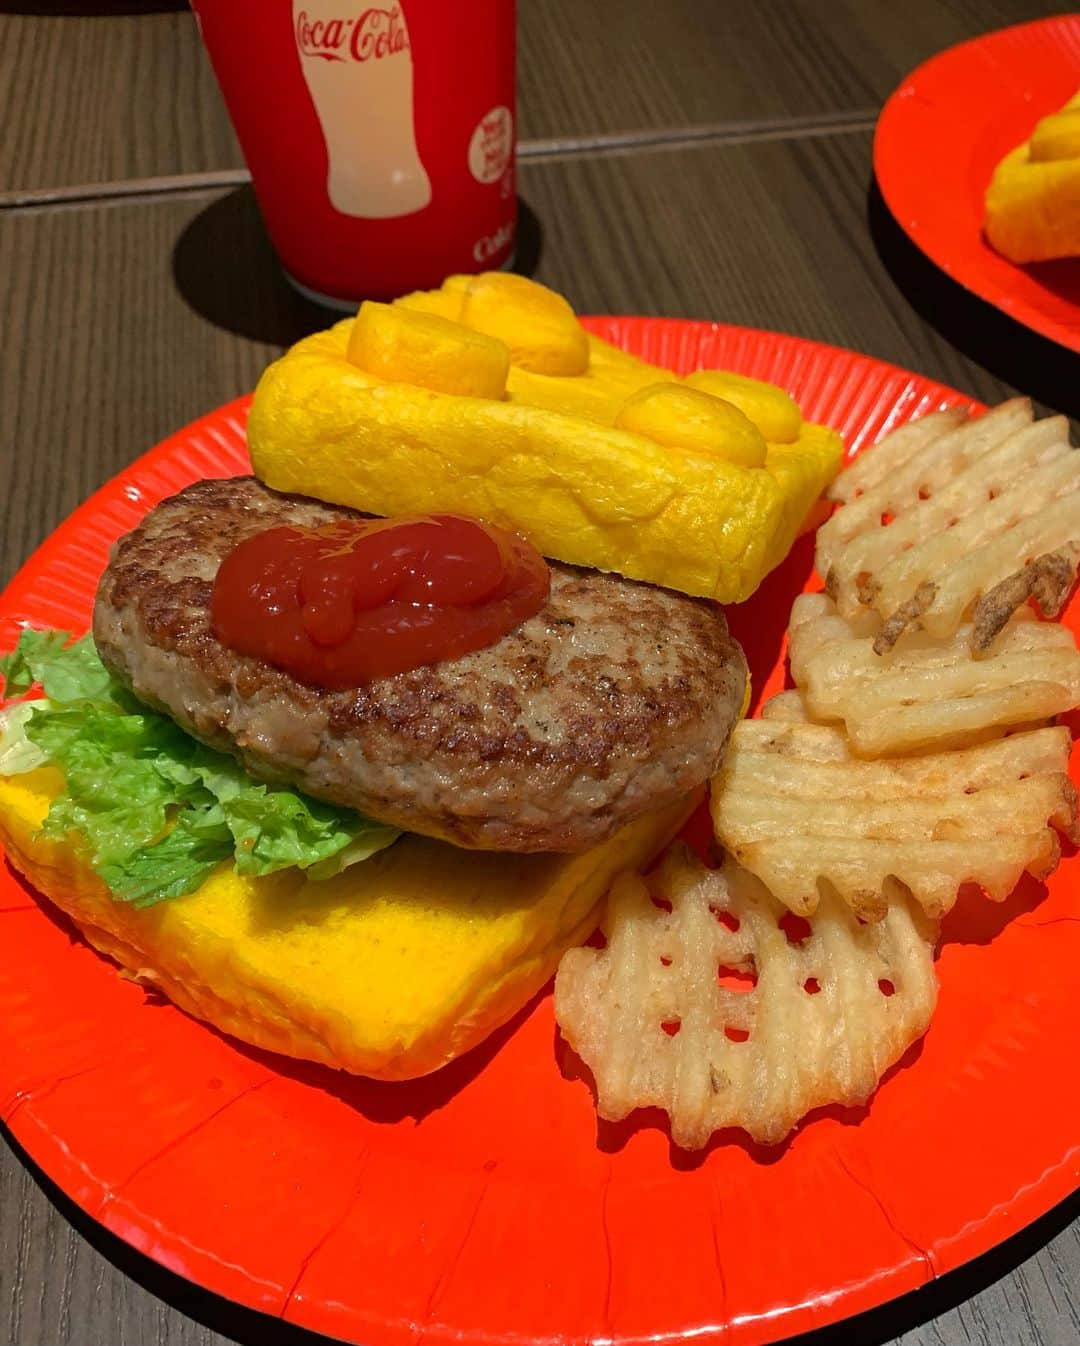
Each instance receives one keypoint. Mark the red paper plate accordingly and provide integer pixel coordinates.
(938, 140)
(485, 1204)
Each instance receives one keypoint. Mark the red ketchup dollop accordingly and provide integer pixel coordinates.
(359, 599)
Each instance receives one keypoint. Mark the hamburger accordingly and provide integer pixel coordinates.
(368, 869)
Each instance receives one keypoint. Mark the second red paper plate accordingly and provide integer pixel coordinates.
(484, 1204)
(938, 140)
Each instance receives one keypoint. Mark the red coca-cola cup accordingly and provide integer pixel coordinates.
(380, 138)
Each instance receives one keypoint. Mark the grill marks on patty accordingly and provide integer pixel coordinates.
(614, 699)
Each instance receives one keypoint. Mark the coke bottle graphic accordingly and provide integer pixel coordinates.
(358, 67)
(373, 181)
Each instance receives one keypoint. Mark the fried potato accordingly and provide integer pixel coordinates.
(789, 707)
(1048, 579)
(706, 1003)
(924, 692)
(890, 453)
(917, 464)
(796, 807)
(969, 518)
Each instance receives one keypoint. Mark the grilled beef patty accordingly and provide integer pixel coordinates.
(613, 700)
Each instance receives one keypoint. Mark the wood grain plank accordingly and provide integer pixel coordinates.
(133, 318)
(686, 61)
(111, 357)
(90, 98)
(98, 97)
(56, 1289)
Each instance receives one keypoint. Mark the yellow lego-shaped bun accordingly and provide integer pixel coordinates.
(596, 395)
(1033, 201)
(538, 325)
(404, 346)
(391, 969)
(580, 491)
(596, 457)
(684, 418)
(775, 412)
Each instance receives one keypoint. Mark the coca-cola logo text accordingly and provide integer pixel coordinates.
(371, 35)
(484, 249)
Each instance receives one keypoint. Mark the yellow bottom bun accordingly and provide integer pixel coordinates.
(391, 969)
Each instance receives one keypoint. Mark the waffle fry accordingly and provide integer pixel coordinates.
(928, 460)
(795, 806)
(960, 519)
(927, 693)
(893, 451)
(788, 707)
(818, 1018)
(1048, 579)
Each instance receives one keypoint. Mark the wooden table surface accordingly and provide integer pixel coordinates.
(687, 158)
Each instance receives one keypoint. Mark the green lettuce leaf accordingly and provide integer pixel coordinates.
(173, 866)
(275, 828)
(67, 672)
(17, 753)
(154, 810)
